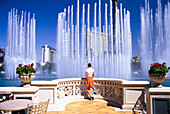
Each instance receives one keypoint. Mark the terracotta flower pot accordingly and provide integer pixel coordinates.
(158, 78)
(26, 79)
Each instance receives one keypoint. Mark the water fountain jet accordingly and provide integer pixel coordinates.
(20, 47)
(110, 56)
(154, 42)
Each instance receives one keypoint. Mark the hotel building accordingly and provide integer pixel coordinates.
(48, 54)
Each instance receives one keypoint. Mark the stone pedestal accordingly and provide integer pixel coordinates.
(133, 92)
(156, 93)
(22, 93)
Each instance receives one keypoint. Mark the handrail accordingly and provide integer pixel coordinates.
(109, 89)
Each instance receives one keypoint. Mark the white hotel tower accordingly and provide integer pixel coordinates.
(48, 54)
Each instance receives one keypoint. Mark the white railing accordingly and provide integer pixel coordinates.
(109, 89)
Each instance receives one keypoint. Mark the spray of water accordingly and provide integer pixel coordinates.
(20, 47)
(154, 42)
(108, 53)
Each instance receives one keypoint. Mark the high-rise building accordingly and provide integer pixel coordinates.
(48, 54)
(103, 38)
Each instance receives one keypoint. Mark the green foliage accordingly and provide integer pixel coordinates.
(136, 66)
(158, 68)
(26, 69)
(48, 67)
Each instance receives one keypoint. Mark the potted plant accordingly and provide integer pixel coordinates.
(157, 73)
(26, 73)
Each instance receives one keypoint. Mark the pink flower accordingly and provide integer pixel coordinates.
(20, 65)
(151, 66)
(155, 64)
(25, 66)
(164, 63)
(32, 64)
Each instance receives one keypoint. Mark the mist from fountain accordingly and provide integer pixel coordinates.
(109, 54)
(155, 36)
(20, 47)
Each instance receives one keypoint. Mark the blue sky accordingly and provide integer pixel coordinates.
(46, 14)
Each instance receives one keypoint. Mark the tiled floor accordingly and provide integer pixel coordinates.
(89, 107)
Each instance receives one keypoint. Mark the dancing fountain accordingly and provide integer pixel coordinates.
(154, 42)
(20, 47)
(110, 54)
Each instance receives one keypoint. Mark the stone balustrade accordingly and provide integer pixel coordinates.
(109, 89)
(135, 95)
(118, 92)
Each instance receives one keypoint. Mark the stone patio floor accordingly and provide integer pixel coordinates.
(89, 107)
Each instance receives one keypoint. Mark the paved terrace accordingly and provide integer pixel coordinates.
(90, 107)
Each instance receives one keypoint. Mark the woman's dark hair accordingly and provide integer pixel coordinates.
(89, 65)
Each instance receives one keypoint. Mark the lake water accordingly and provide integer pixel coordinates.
(16, 82)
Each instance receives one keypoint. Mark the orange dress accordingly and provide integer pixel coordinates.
(89, 82)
